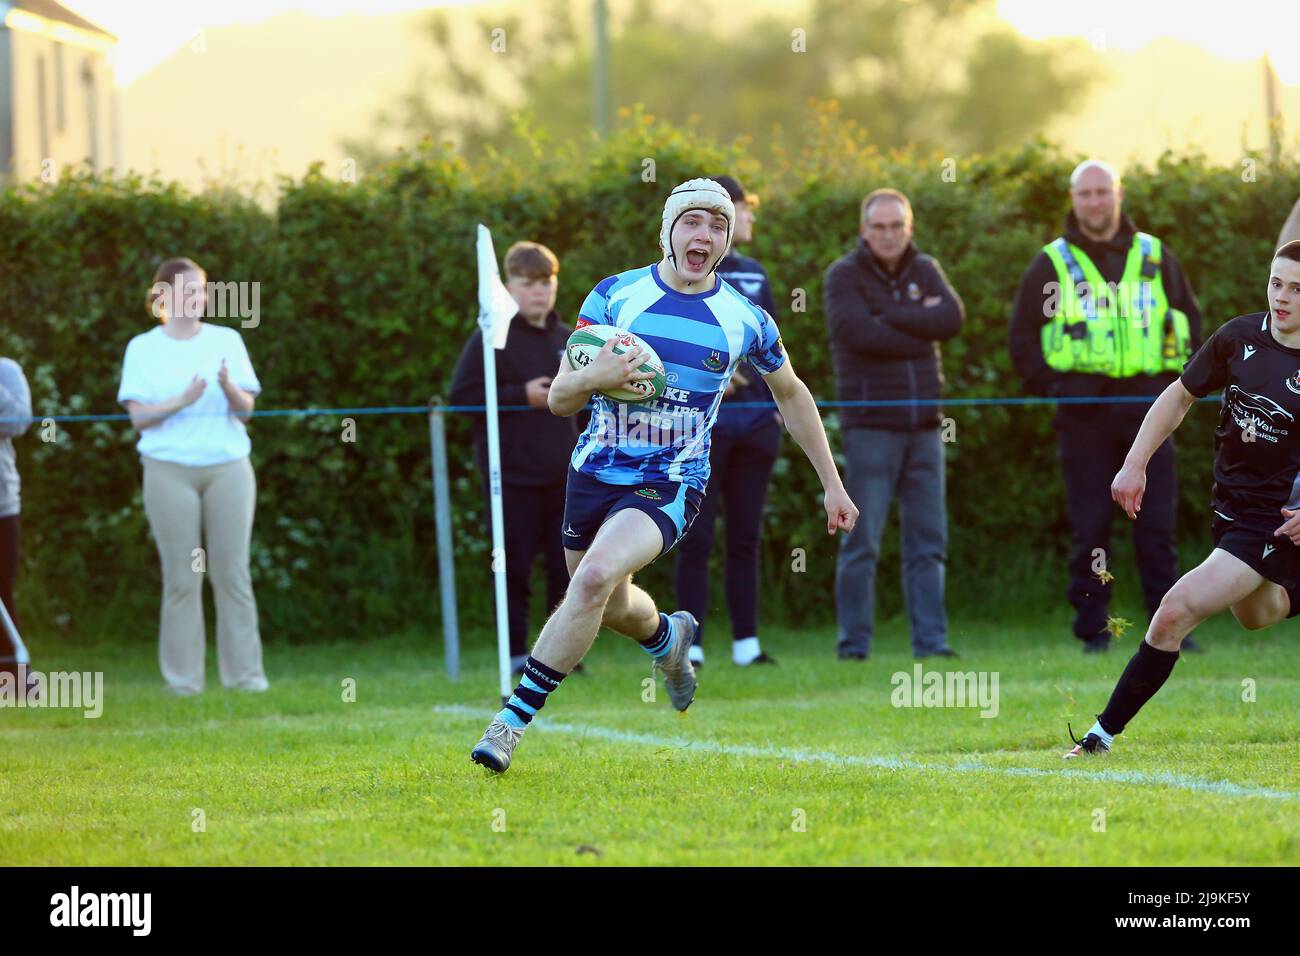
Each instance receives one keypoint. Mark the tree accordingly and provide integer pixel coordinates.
(932, 73)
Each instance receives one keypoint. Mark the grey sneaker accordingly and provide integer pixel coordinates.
(679, 675)
(497, 746)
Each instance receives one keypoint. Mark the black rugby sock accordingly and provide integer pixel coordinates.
(1145, 674)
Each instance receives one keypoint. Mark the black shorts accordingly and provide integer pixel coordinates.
(1251, 540)
(672, 505)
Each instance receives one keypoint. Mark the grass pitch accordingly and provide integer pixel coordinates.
(805, 763)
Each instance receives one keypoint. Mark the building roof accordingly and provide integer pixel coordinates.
(49, 10)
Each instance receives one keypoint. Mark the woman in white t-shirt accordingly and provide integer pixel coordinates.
(189, 387)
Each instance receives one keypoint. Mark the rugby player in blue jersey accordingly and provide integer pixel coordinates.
(638, 472)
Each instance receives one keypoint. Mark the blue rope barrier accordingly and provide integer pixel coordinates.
(1010, 401)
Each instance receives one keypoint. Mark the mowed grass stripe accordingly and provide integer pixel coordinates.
(884, 762)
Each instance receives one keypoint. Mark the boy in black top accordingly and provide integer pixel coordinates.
(535, 444)
(1254, 569)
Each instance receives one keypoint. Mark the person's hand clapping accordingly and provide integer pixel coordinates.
(192, 392)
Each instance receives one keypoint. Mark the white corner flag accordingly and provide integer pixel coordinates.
(496, 309)
(20, 650)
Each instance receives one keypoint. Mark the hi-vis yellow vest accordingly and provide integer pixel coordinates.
(1116, 330)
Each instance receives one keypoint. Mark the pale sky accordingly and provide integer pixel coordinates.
(151, 30)
(1240, 30)
(1210, 96)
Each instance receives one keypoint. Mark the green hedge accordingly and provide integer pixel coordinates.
(368, 295)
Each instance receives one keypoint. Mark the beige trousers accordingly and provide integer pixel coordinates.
(216, 504)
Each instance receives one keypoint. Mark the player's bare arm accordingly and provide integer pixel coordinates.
(1164, 416)
(571, 388)
(804, 423)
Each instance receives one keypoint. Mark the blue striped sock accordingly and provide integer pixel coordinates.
(536, 682)
(659, 645)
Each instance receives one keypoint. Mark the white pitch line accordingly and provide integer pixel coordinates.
(795, 755)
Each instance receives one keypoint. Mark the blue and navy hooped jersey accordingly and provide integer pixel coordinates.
(750, 279)
(700, 338)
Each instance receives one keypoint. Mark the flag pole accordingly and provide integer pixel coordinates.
(496, 309)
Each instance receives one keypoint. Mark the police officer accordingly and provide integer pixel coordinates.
(1105, 313)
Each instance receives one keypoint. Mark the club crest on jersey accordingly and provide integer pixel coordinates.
(1293, 382)
(914, 292)
(714, 362)
(650, 493)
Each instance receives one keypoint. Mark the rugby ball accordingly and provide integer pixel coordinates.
(588, 340)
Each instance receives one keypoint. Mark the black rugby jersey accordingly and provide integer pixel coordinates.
(1257, 441)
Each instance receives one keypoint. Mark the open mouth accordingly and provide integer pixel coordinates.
(1281, 313)
(696, 258)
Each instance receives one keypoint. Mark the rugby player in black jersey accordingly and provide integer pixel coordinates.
(1254, 569)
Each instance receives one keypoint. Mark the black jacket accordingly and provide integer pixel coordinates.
(884, 342)
(1030, 316)
(535, 444)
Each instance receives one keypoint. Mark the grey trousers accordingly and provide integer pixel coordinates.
(882, 465)
(210, 507)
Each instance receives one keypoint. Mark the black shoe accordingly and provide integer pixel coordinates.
(852, 655)
(762, 658)
(1191, 647)
(946, 652)
(1090, 745)
(1097, 645)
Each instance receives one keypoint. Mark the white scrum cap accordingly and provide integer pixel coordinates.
(696, 194)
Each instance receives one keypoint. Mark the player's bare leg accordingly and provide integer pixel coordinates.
(600, 591)
(1216, 584)
(1220, 582)
(631, 612)
(625, 543)
(1266, 605)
